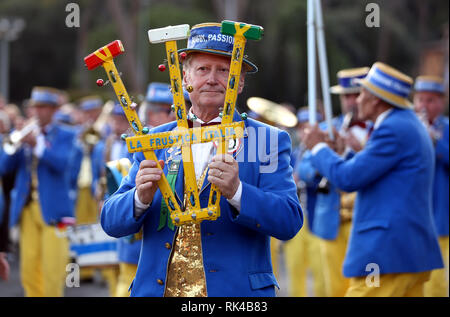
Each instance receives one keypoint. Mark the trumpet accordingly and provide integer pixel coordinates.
(13, 142)
(92, 134)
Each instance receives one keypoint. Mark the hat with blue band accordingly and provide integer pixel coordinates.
(90, 103)
(348, 80)
(117, 109)
(388, 84)
(303, 115)
(207, 38)
(45, 96)
(159, 93)
(429, 83)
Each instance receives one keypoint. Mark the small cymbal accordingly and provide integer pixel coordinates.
(272, 112)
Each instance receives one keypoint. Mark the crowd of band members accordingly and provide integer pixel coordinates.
(59, 171)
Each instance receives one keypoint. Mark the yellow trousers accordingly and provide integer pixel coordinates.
(333, 254)
(126, 276)
(437, 286)
(390, 285)
(86, 208)
(301, 255)
(43, 255)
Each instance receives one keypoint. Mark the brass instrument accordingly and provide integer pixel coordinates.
(92, 134)
(13, 142)
(272, 113)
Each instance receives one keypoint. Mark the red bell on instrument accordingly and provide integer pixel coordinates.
(183, 56)
(162, 67)
(100, 82)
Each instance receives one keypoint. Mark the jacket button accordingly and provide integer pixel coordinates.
(167, 245)
(160, 282)
(258, 225)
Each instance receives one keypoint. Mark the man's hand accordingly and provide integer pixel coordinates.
(352, 142)
(147, 180)
(312, 136)
(224, 173)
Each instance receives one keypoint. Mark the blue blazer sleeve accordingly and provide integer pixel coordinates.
(441, 149)
(378, 157)
(117, 215)
(57, 155)
(272, 206)
(306, 170)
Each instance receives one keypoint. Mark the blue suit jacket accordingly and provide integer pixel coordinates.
(326, 210)
(440, 188)
(236, 249)
(53, 176)
(392, 224)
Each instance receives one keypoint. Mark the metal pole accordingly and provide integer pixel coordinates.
(312, 102)
(4, 69)
(324, 68)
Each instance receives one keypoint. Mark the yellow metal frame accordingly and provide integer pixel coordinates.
(133, 119)
(184, 136)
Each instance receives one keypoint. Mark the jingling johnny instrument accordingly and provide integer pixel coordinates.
(183, 136)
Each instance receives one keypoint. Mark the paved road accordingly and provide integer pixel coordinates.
(97, 288)
(13, 287)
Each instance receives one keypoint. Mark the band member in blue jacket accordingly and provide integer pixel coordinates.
(40, 198)
(156, 110)
(333, 208)
(229, 256)
(429, 103)
(393, 238)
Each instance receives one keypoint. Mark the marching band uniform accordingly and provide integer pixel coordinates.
(333, 208)
(229, 256)
(393, 230)
(301, 251)
(158, 99)
(82, 176)
(439, 127)
(87, 207)
(39, 201)
(112, 149)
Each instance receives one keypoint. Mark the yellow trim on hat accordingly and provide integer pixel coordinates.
(353, 72)
(434, 79)
(386, 96)
(339, 90)
(393, 72)
(201, 25)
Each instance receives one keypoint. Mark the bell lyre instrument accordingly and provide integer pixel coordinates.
(183, 136)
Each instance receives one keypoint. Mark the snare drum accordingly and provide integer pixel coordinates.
(90, 246)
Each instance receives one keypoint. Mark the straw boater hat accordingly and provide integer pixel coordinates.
(429, 83)
(347, 80)
(206, 38)
(388, 84)
(41, 96)
(91, 103)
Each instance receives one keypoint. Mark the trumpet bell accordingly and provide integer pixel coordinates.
(272, 112)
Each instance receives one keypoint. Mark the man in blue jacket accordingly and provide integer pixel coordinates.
(156, 111)
(334, 207)
(393, 243)
(430, 105)
(229, 256)
(40, 198)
